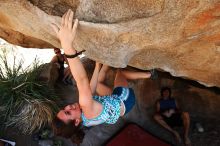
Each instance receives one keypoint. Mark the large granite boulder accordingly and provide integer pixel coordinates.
(180, 37)
(201, 103)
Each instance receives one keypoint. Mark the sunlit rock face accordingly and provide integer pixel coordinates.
(180, 37)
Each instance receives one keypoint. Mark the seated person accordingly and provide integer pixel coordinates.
(168, 115)
(67, 79)
(64, 73)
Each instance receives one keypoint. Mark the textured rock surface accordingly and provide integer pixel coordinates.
(49, 74)
(180, 37)
(202, 103)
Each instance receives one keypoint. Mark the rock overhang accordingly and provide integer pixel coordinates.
(180, 37)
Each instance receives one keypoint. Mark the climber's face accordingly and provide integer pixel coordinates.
(71, 112)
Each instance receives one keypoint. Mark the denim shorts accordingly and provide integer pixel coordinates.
(174, 121)
(127, 96)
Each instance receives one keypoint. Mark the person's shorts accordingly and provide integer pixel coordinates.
(61, 73)
(174, 121)
(127, 96)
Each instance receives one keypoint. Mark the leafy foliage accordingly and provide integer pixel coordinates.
(25, 102)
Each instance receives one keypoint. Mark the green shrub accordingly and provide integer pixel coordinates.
(25, 102)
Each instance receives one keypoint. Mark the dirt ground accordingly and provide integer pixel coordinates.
(210, 136)
(141, 114)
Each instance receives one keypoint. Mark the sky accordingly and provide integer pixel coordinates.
(26, 54)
